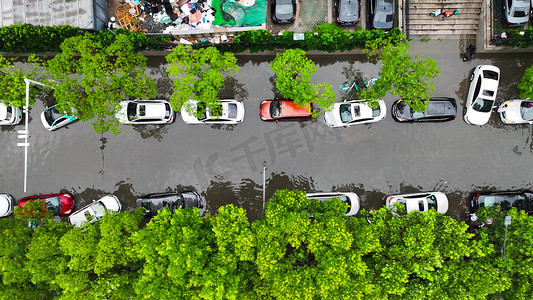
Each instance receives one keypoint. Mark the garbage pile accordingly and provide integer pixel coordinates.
(164, 16)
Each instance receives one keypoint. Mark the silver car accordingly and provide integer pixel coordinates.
(229, 112)
(52, 119)
(347, 197)
(516, 12)
(145, 112)
(482, 94)
(95, 211)
(420, 202)
(10, 115)
(516, 111)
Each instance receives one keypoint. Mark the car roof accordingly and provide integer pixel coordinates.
(152, 109)
(290, 108)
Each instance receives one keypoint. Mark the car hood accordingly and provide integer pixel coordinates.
(513, 111)
(121, 113)
(187, 116)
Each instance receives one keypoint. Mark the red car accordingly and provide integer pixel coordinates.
(57, 204)
(284, 110)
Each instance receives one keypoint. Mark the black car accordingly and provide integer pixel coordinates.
(522, 200)
(347, 11)
(171, 200)
(283, 11)
(440, 109)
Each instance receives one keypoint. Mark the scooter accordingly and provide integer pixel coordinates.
(441, 13)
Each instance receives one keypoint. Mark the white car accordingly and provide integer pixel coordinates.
(95, 211)
(10, 115)
(52, 119)
(354, 112)
(145, 112)
(516, 111)
(420, 201)
(230, 112)
(516, 12)
(6, 205)
(350, 198)
(481, 94)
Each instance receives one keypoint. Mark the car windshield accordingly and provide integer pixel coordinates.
(505, 201)
(346, 114)
(490, 75)
(275, 109)
(51, 114)
(376, 111)
(99, 210)
(519, 14)
(284, 8)
(201, 110)
(132, 111)
(232, 111)
(9, 112)
(526, 110)
(482, 105)
(53, 205)
(432, 202)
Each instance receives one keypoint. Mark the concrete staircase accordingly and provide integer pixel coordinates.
(420, 23)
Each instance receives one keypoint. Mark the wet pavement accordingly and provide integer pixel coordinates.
(224, 163)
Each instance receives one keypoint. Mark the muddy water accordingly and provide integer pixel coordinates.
(224, 163)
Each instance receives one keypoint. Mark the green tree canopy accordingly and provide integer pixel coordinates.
(293, 71)
(430, 256)
(93, 79)
(526, 84)
(190, 257)
(197, 75)
(400, 75)
(307, 249)
(12, 85)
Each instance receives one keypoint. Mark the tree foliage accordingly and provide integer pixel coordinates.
(12, 85)
(93, 79)
(400, 75)
(526, 84)
(188, 257)
(306, 250)
(293, 71)
(198, 75)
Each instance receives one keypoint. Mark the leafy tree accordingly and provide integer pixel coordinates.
(307, 249)
(198, 75)
(526, 84)
(431, 256)
(100, 263)
(12, 85)
(93, 79)
(518, 261)
(189, 257)
(294, 71)
(400, 74)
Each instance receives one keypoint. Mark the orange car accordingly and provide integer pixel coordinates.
(284, 110)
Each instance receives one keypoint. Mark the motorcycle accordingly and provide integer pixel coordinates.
(441, 13)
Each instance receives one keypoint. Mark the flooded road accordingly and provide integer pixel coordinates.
(224, 163)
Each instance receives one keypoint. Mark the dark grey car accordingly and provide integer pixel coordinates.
(152, 203)
(440, 109)
(347, 11)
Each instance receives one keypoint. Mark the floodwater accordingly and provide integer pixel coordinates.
(225, 163)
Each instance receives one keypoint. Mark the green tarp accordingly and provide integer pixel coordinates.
(231, 13)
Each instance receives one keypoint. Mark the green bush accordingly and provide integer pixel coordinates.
(515, 39)
(326, 37)
(38, 39)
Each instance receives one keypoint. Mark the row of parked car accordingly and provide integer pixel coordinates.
(347, 12)
(63, 204)
(480, 103)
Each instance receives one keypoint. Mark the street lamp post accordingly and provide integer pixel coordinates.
(24, 134)
(507, 222)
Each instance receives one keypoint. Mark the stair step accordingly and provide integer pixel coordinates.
(443, 22)
(434, 6)
(443, 27)
(440, 32)
(464, 11)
